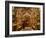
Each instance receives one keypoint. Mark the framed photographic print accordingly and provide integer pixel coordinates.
(24, 18)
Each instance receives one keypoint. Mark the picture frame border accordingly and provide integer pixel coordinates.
(7, 18)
